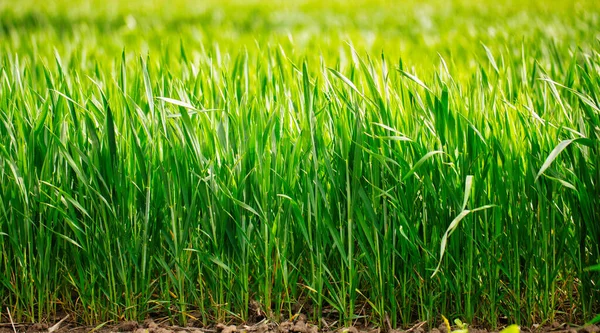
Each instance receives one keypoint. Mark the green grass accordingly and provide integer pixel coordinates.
(362, 161)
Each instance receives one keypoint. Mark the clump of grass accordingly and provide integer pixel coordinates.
(270, 162)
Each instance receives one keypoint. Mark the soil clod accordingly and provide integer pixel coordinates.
(285, 327)
(226, 329)
(300, 327)
(442, 328)
(590, 329)
(127, 326)
(350, 329)
(149, 323)
(37, 328)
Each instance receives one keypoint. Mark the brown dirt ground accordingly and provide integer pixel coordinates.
(300, 325)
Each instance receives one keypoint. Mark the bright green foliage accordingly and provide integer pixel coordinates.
(187, 158)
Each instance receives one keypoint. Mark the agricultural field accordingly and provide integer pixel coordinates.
(363, 163)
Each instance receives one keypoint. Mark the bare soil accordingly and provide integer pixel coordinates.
(300, 325)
